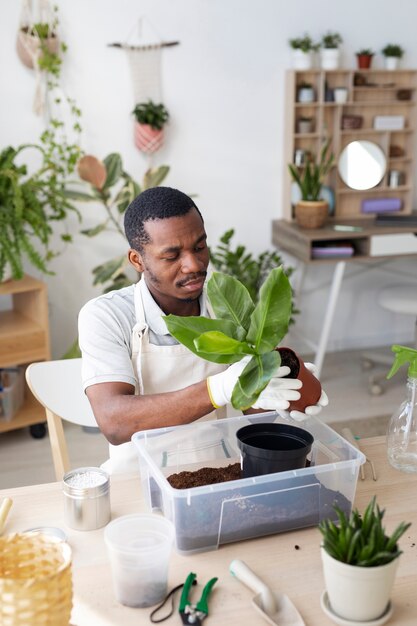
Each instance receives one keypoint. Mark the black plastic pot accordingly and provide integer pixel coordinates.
(270, 448)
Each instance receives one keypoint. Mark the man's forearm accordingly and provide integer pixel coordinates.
(119, 413)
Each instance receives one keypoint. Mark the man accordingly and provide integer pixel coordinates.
(135, 374)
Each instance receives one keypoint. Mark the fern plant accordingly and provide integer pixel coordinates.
(29, 206)
(361, 541)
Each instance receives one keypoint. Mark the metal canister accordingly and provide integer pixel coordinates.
(86, 498)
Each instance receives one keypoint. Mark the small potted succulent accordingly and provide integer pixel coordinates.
(150, 119)
(330, 51)
(312, 211)
(302, 52)
(305, 92)
(359, 564)
(392, 55)
(305, 124)
(364, 57)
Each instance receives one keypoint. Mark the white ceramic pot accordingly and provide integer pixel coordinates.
(302, 60)
(340, 95)
(358, 593)
(305, 94)
(391, 63)
(329, 58)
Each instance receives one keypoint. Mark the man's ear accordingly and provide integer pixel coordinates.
(135, 259)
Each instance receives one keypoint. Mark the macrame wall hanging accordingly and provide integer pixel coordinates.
(36, 40)
(145, 60)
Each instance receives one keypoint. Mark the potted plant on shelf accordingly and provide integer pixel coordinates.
(304, 124)
(302, 52)
(305, 92)
(364, 57)
(330, 51)
(359, 564)
(245, 328)
(392, 55)
(312, 211)
(150, 119)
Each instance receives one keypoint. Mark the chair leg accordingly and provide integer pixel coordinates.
(58, 444)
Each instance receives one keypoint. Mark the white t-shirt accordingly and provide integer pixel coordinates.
(105, 327)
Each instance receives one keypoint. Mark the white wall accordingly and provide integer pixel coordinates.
(224, 88)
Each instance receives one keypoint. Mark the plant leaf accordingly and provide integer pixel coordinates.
(254, 378)
(216, 341)
(154, 177)
(114, 169)
(270, 319)
(110, 269)
(230, 300)
(79, 195)
(188, 329)
(91, 232)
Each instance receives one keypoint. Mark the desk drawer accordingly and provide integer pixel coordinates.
(387, 245)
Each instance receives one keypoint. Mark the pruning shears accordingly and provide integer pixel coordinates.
(194, 613)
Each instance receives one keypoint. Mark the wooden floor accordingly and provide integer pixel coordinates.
(25, 461)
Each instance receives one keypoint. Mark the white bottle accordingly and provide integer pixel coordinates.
(402, 428)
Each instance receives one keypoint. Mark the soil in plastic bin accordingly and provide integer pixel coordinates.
(205, 476)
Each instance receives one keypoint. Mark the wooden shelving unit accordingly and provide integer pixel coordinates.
(379, 97)
(24, 338)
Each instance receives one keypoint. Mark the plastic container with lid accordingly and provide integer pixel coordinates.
(206, 517)
(86, 498)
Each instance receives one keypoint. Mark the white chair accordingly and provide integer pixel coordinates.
(397, 299)
(57, 386)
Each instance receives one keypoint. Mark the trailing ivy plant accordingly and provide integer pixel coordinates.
(248, 269)
(240, 328)
(361, 541)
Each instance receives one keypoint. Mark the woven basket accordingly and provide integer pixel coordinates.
(310, 214)
(35, 581)
(148, 139)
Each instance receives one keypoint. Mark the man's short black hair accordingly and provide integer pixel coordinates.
(157, 203)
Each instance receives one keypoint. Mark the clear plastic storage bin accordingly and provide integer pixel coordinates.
(11, 392)
(206, 517)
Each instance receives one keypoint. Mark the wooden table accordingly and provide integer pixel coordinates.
(288, 562)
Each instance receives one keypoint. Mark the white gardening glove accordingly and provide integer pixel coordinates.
(315, 409)
(279, 392)
(220, 386)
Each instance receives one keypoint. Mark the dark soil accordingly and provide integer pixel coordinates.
(205, 476)
(289, 359)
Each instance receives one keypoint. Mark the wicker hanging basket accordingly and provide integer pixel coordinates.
(309, 214)
(35, 581)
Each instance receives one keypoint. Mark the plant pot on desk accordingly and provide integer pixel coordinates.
(311, 214)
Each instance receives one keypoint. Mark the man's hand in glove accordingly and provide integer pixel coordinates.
(277, 394)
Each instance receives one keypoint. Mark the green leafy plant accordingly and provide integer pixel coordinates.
(393, 50)
(361, 541)
(305, 44)
(240, 328)
(251, 271)
(310, 178)
(150, 113)
(115, 189)
(331, 40)
(30, 204)
(365, 52)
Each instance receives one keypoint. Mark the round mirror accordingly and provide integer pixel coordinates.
(362, 164)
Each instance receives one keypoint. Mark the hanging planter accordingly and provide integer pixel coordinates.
(149, 126)
(33, 41)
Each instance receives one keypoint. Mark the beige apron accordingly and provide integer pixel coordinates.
(158, 369)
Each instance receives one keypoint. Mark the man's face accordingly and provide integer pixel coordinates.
(174, 262)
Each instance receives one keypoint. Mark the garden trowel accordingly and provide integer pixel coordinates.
(275, 607)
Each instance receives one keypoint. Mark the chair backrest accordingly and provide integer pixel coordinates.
(57, 386)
